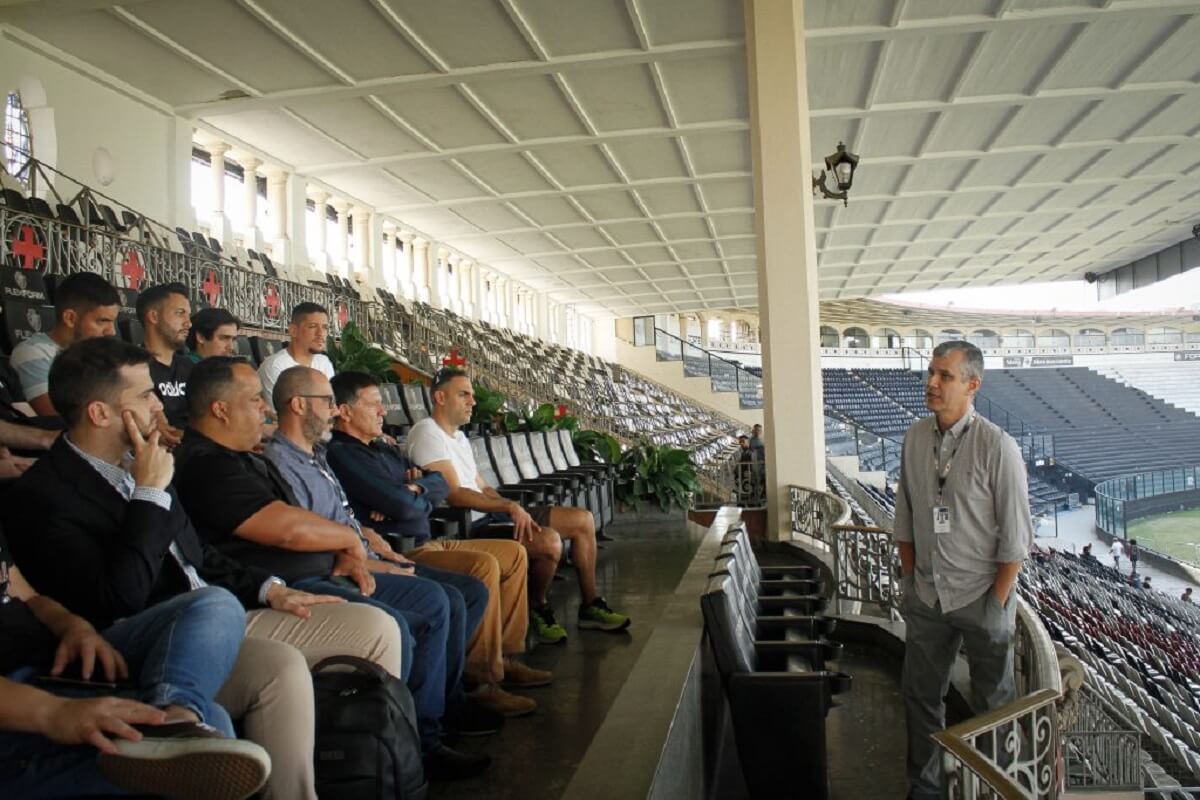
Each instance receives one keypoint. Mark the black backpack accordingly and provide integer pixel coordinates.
(367, 744)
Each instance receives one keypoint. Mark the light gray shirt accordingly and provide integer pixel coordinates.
(987, 494)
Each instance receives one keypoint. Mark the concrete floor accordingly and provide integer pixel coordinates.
(535, 756)
(865, 732)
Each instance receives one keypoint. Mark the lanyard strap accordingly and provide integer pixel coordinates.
(943, 470)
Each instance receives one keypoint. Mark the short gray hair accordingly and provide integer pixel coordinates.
(973, 366)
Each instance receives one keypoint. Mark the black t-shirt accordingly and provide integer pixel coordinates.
(222, 488)
(24, 640)
(170, 383)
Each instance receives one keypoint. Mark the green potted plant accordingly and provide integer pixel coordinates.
(596, 447)
(355, 354)
(656, 474)
(488, 406)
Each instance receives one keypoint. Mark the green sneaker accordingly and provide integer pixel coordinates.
(599, 617)
(547, 630)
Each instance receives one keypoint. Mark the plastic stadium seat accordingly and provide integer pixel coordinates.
(68, 215)
(26, 285)
(131, 331)
(110, 219)
(40, 208)
(23, 319)
(262, 348)
(15, 200)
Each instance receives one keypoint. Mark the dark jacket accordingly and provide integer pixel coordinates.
(77, 540)
(374, 477)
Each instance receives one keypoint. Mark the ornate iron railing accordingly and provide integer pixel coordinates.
(1103, 760)
(815, 514)
(866, 568)
(1010, 752)
(732, 482)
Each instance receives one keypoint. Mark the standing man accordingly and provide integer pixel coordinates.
(1116, 551)
(307, 333)
(85, 307)
(962, 528)
(757, 445)
(166, 316)
(1132, 552)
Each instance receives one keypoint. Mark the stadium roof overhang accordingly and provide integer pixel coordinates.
(598, 150)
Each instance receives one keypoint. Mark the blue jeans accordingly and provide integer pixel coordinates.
(432, 617)
(179, 652)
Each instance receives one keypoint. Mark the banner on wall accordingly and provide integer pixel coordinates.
(1013, 362)
(1187, 355)
(1051, 361)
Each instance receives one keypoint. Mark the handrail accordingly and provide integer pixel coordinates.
(733, 364)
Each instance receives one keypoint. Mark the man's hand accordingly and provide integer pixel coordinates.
(80, 641)
(93, 721)
(523, 525)
(171, 436)
(389, 440)
(377, 516)
(12, 467)
(381, 548)
(153, 465)
(351, 563)
(294, 601)
(414, 474)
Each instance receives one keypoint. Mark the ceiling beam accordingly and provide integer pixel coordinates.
(476, 74)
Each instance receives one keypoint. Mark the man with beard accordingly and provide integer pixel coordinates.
(307, 332)
(85, 306)
(166, 317)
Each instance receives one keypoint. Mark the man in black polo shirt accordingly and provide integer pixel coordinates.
(166, 317)
(243, 506)
(76, 740)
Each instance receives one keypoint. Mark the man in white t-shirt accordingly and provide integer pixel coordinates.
(307, 332)
(436, 444)
(1116, 551)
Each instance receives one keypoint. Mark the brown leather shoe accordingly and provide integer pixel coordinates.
(523, 676)
(491, 696)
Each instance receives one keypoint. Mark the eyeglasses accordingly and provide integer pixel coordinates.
(328, 398)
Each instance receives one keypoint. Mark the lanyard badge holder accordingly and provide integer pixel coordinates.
(941, 512)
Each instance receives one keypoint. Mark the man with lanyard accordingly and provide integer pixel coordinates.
(962, 528)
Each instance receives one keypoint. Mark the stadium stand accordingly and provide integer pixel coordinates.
(1176, 383)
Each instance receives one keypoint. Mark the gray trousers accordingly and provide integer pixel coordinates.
(932, 642)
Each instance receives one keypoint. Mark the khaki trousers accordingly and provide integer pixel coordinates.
(270, 688)
(504, 568)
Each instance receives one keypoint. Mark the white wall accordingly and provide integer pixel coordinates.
(80, 116)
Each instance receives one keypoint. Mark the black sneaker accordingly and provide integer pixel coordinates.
(472, 719)
(448, 764)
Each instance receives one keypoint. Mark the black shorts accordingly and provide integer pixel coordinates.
(540, 514)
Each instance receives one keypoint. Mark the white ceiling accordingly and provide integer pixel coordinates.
(599, 150)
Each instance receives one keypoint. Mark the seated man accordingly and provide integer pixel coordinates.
(165, 313)
(214, 333)
(436, 444)
(105, 534)
(246, 509)
(304, 420)
(307, 334)
(85, 306)
(173, 739)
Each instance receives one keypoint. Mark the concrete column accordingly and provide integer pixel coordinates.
(454, 266)
(362, 244)
(466, 283)
(437, 276)
(254, 237)
(387, 262)
(276, 233)
(683, 327)
(543, 317)
(178, 155)
(406, 265)
(296, 227)
(218, 222)
(477, 290)
(703, 320)
(339, 251)
(321, 257)
(788, 290)
(421, 269)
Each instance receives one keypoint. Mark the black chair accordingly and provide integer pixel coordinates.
(40, 208)
(110, 219)
(23, 319)
(131, 330)
(495, 451)
(25, 285)
(242, 348)
(395, 420)
(68, 215)
(779, 693)
(596, 483)
(413, 398)
(263, 348)
(15, 200)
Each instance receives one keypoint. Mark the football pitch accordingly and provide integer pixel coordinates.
(1170, 533)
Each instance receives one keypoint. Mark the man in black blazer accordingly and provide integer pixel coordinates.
(96, 525)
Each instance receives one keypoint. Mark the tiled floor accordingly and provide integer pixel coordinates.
(534, 757)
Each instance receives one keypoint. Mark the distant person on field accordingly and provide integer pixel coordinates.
(1132, 554)
(1117, 551)
(963, 530)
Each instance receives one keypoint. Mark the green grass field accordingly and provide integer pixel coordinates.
(1170, 534)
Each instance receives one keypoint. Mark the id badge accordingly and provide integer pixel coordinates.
(941, 519)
